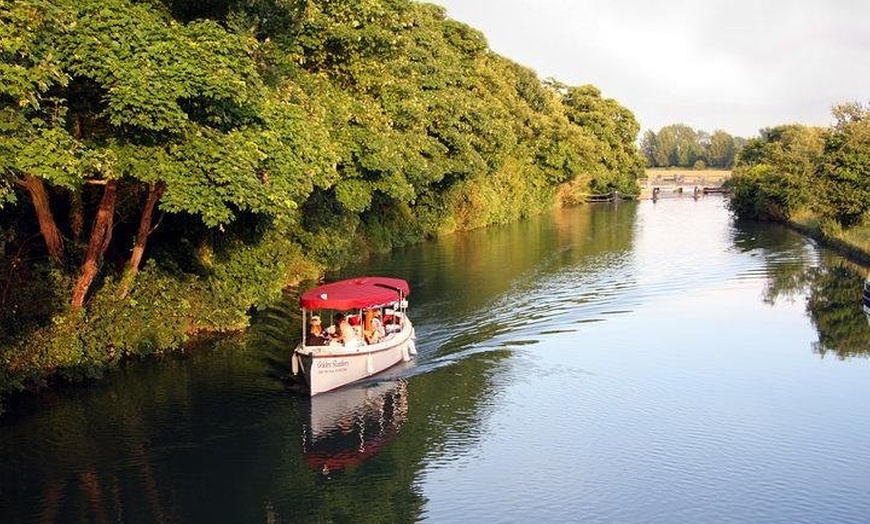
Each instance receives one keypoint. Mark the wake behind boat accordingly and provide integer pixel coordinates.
(370, 333)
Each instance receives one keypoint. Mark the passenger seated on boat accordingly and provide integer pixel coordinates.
(354, 321)
(378, 325)
(373, 329)
(344, 333)
(316, 336)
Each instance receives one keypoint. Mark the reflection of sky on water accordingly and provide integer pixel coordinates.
(697, 400)
(572, 375)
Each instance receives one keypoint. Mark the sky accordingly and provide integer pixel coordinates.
(735, 65)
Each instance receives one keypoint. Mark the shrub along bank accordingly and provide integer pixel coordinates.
(170, 166)
(816, 179)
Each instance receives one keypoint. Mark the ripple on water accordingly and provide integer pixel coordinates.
(537, 395)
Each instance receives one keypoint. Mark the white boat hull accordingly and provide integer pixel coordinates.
(325, 368)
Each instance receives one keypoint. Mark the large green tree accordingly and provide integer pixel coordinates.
(679, 145)
(616, 130)
(182, 160)
(774, 176)
(845, 168)
(721, 150)
(137, 104)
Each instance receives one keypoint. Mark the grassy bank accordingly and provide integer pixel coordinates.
(853, 243)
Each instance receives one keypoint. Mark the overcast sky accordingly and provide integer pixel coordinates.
(735, 65)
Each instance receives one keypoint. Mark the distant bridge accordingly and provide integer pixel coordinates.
(681, 185)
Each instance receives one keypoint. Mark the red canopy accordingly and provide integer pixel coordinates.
(355, 293)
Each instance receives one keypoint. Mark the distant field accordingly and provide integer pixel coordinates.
(678, 176)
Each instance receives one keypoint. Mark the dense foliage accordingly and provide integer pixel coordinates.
(800, 173)
(166, 165)
(678, 145)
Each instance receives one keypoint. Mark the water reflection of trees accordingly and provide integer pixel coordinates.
(787, 256)
(831, 283)
(463, 273)
(210, 438)
(92, 454)
(215, 436)
(833, 291)
(458, 284)
(359, 461)
(835, 307)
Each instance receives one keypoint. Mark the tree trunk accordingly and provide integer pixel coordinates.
(47, 226)
(77, 216)
(141, 238)
(101, 235)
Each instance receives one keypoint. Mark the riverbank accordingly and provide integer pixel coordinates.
(853, 243)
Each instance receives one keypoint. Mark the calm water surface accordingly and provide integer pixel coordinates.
(633, 363)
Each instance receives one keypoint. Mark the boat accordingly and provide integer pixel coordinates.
(322, 366)
(867, 296)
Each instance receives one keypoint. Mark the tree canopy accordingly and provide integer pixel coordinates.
(679, 145)
(179, 162)
(794, 170)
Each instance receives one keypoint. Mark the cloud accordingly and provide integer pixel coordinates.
(736, 65)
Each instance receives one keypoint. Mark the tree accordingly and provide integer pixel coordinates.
(679, 145)
(845, 166)
(33, 147)
(182, 161)
(616, 130)
(649, 146)
(138, 103)
(775, 173)
(721, 150)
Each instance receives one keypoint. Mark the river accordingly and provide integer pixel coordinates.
(634, 363)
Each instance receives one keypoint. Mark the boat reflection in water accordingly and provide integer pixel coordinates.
(350, 425)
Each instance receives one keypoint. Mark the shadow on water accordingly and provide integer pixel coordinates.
(274, 332)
